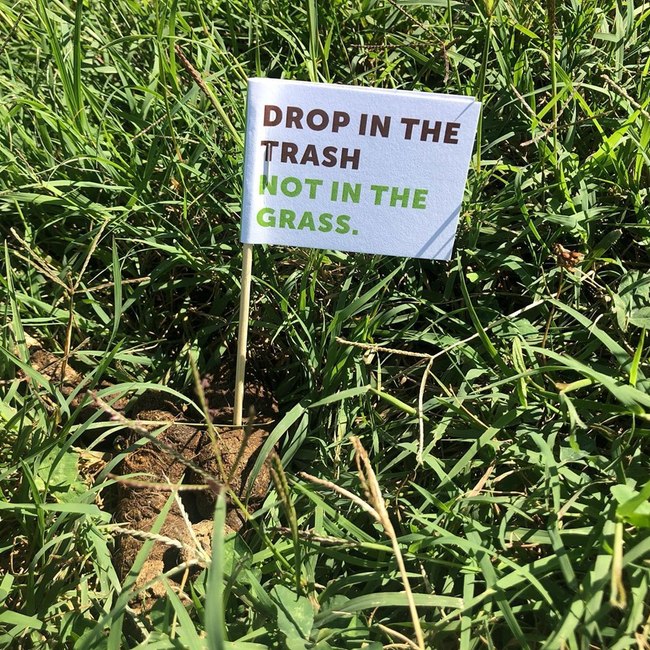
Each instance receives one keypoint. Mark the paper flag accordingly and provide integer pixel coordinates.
(355, 169)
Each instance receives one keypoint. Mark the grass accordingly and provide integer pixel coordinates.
(521, 519)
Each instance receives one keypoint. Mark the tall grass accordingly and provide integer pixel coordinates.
(522, 520)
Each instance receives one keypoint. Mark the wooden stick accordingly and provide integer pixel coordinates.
(242, 336)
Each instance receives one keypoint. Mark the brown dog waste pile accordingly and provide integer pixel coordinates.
(181, 453)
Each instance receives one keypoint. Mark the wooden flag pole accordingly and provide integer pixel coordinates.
(242, 336)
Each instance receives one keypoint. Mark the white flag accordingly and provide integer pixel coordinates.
(355, 169)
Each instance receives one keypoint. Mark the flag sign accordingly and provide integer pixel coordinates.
(355, 169)
(350, 169)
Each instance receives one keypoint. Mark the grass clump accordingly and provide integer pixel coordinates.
(497, 404)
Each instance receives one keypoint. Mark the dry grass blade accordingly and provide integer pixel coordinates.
(343, 492)
(376, 507)
(369, 478)
(194, 73)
